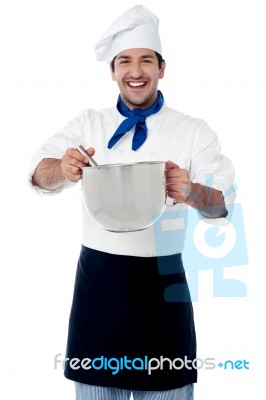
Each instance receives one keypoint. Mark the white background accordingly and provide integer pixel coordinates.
(216, 63)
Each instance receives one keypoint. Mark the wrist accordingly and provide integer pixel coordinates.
(194, 195)
(208, 201)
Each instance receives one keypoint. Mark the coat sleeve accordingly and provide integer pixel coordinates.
(210, 167)
(71, 135)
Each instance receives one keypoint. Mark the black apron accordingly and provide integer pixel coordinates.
(120, 310)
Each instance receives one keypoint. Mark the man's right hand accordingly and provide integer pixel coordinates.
(73, 162)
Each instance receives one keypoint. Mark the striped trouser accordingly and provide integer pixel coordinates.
(90, 392)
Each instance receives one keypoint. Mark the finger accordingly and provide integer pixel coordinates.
(178, 192)
(179, 197)
(72, 174)
(73, 170)
(170, 165)
(91, 151)
(73, 178)
(177, 181)
(173, 173)
(174, 188)
(72, 167)
(72, 157)
(172, 182)
(74, 154)
(171, 193)
(179, 175)
(75, 163)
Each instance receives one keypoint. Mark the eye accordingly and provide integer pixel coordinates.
(146, 61)
(124, 61)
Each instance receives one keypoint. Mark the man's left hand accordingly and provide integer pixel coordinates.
(178, 183)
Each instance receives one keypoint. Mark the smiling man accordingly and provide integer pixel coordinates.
(137, 73)
(120, 319)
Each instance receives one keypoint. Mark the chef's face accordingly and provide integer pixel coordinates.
(137, 74)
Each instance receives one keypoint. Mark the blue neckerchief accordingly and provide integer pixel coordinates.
(137, 117)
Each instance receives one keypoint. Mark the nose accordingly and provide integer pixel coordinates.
(135, 70)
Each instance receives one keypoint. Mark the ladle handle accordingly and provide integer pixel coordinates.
(84, 152)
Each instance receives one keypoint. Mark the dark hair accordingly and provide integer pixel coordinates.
(159, 58)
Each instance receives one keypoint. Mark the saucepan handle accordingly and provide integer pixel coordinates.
(83, 151)
(169, 200)
(172, 202)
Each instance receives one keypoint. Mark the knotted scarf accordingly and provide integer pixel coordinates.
(137, 117)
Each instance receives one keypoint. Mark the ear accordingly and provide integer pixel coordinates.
(112, 73)
(161, 74)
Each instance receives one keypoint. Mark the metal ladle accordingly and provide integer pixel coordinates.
(92, 162)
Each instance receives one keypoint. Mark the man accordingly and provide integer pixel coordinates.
(121, 325)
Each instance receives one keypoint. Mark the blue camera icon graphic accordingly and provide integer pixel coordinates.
(204, 245)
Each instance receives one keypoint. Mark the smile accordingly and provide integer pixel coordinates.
(136, 84)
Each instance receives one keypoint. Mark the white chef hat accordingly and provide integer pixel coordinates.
(136, 28)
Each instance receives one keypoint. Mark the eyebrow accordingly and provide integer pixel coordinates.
(141, 57)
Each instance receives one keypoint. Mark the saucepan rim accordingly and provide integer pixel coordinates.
(124, 164)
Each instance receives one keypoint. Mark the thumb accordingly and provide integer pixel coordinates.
(170, 165)
(91, 151)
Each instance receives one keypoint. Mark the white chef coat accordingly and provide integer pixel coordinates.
(172, 135)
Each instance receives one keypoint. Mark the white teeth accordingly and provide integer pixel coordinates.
(135, 84)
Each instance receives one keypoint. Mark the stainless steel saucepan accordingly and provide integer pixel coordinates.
(124, 197)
